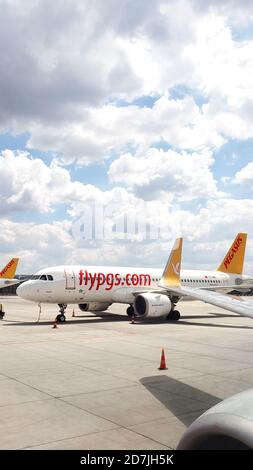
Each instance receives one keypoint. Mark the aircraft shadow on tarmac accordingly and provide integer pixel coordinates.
(79, 319)
(114, 317)
(177, 397)
(184, 321)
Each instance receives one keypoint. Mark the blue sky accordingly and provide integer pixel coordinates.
(150, 117)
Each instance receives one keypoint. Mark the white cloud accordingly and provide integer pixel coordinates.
(61, 63)
(245, 175)
(112, 128)
(37, 245)
(29, 184)
(58, 58)
(160, 174)
(207, 234)
(222, 72)
(239, 13)
(213, 225)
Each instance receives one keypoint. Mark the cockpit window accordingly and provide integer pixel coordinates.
(46, 277)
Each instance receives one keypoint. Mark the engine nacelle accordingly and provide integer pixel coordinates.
(226, 426)
(94, 307)
(152, 305)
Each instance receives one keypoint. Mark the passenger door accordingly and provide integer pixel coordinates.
(70, 280)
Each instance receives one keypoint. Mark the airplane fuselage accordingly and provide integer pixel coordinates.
(79, 284)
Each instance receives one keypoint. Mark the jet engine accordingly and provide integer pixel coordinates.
(94, 307)
(152, 305)
(226, 426)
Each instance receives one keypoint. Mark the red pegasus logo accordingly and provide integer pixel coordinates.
(232, 252)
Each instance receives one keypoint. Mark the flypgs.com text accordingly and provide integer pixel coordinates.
(110, 280)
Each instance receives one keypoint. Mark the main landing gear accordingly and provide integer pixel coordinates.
(174, 315)
(61, 318)
(130, 311)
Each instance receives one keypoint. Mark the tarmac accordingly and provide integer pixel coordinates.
(94, 382)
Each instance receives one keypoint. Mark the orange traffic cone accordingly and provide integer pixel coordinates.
(73, 314)
(163, 362)
(55, 324)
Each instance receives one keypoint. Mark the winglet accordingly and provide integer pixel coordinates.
(171, 274)
(9, 271)
(234, 259)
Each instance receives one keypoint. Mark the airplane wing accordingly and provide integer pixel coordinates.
(8, 282)
(171, 282)
(238, 305)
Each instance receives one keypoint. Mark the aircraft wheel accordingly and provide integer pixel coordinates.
(174, 315)
(61, 318)
(130, 311)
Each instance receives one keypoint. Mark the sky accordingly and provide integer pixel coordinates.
(123, 125)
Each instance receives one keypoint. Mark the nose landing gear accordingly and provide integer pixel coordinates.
(61, 318)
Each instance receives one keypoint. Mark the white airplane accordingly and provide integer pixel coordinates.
(96, 288)
(8, 272)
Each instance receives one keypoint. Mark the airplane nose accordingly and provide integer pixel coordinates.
(24, 291)
(20, 290)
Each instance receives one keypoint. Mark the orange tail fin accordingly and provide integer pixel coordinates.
(234, 259)
(9, 271)
(171, 274)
